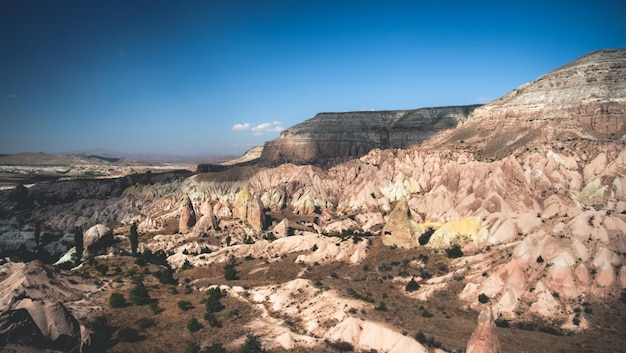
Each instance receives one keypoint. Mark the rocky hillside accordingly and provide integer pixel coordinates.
(583, 99)
(521, 207)
(353, 134)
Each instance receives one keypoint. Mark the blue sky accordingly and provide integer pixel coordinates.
(217, 77)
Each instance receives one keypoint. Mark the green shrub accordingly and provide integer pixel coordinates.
(483, 298)
(139, 294)
(424, 238)
(382, 307)
(252, 345)
(117, 300)
(193, 325)
(211, 319)
(212, 302)
(230, 272)
(186, 265)
(184, 304)
(454, 251)
(412, 286)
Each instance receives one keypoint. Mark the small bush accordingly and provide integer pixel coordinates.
(127, 334)
(211, 319)
(117, 300)
(420, 337)
(454, 251)
(193, 325)
(139, 294)
(252, 345)
(427, 314)
(314, 247)
(186, 265)
(539, 259)
(145, 323)
(341, 346)
(184, 304)
(502, 323)
(230, 272)
(412, 286)
(483, 298)
(192, 347)
(212, 302)
(382, 307)
(424, 238)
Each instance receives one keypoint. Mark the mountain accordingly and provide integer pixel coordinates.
(329, 136)
(516, 209)
(583, 99)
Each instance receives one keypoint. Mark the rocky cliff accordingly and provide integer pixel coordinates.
(583, 99)
(353, 134)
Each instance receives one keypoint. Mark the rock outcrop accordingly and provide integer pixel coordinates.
(353, 134)
(187, 217)
(97, 238)
(249, 208)
(584, 98)
(401, 230)
(484, 338)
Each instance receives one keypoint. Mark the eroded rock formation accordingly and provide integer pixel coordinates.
(353, 134)
(187, 216)
(484, 338)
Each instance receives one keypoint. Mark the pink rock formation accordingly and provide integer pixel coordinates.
(484, 338)
(187, 217)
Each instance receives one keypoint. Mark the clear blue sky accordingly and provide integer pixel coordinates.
(216, 77)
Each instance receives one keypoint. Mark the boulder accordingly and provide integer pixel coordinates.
(96, 238)
(484, 338)
(281, 230)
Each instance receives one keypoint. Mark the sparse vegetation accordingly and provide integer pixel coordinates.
(424, 238)
(356, 295)
(230, 272)
(127, 334)
(117, 300)
(184, 304)
(412, 286)
(193, 325)
(252, 345)
(138, 295)
(454, 251)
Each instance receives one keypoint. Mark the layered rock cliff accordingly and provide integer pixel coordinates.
(583, 99)
(353, 134)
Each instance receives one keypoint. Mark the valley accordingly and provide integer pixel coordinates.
(333, 240)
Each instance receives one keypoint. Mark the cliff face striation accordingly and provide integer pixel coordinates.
(583, 99)
(353, 134)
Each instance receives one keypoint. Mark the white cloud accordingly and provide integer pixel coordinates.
(241, 127)
(275, 126)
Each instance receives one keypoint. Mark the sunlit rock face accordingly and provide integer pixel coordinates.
(353, 134)
(484, 338)
(584, 98)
